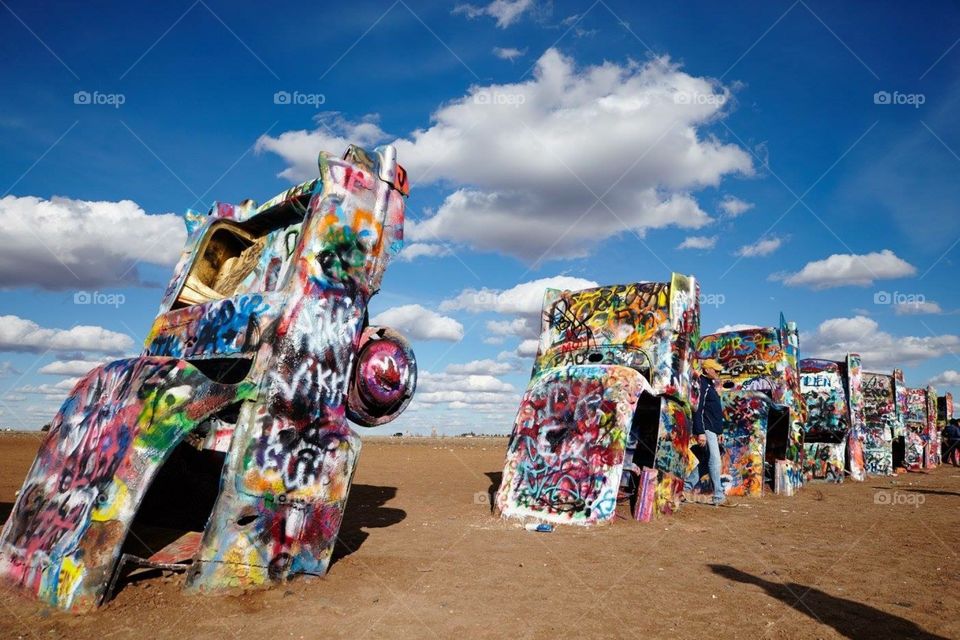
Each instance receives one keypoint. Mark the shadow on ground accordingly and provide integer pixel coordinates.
(848, 617)
(365, 510)
(933, 492)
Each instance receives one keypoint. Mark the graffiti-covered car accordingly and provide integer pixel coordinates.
(922, 439)
(834, 431)
(763, 409)
(884, 407)
(226, 442)
(609, 390)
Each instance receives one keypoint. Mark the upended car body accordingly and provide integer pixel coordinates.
(885, 409)
(763, 409)
(260, 353)
(922, 438)
(611, 361)
(834, 432)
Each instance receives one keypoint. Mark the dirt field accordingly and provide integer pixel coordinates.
(421, 556)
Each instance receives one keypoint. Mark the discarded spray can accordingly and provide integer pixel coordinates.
(539, 527)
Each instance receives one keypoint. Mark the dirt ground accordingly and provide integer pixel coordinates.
(421, 556)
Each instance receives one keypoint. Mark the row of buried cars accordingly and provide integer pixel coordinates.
(609, 406)
(226, 449)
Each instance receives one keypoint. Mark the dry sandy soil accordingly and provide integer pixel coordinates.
(421, 556)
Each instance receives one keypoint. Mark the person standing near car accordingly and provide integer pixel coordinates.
(951, 436)
(708, 429)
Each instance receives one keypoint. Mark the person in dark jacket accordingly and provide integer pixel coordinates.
(708, 429)
(952, 437)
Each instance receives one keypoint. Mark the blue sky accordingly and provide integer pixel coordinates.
(806, 155)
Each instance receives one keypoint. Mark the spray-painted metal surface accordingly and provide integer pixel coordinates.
(260, 350)
(825, 437)
(916, 427)
(884, 403)
(608, 359)
(922, 434)
(763, 407)
(856, 439)
(833, 431)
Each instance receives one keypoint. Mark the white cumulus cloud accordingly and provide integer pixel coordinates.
(920, 307)
(762, 247)
(735, 327)
(420, 323)
(528, 160)
(948, 378)
(846, 269)
(517, 327)
(464, 390)
(525, 298)
(505, 12)
(411, 252)
(698, 242)
(733, 206)
(508, 53)
(879, 349)
(480, 367)
(20, 334)
(69, 367)
(62, 243)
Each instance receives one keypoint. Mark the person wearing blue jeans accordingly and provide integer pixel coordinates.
(708, 429)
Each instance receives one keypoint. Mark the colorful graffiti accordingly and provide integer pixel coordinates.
(821, 382)
(579, 427)
(103, 449)
(922, 435)
(824, 460)
(916, 428)
(882, 421)
(833, 442)
(762, 361)
(746, 416)
(260, 350)
(856, 438)
(566, 453)
(931, 441)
